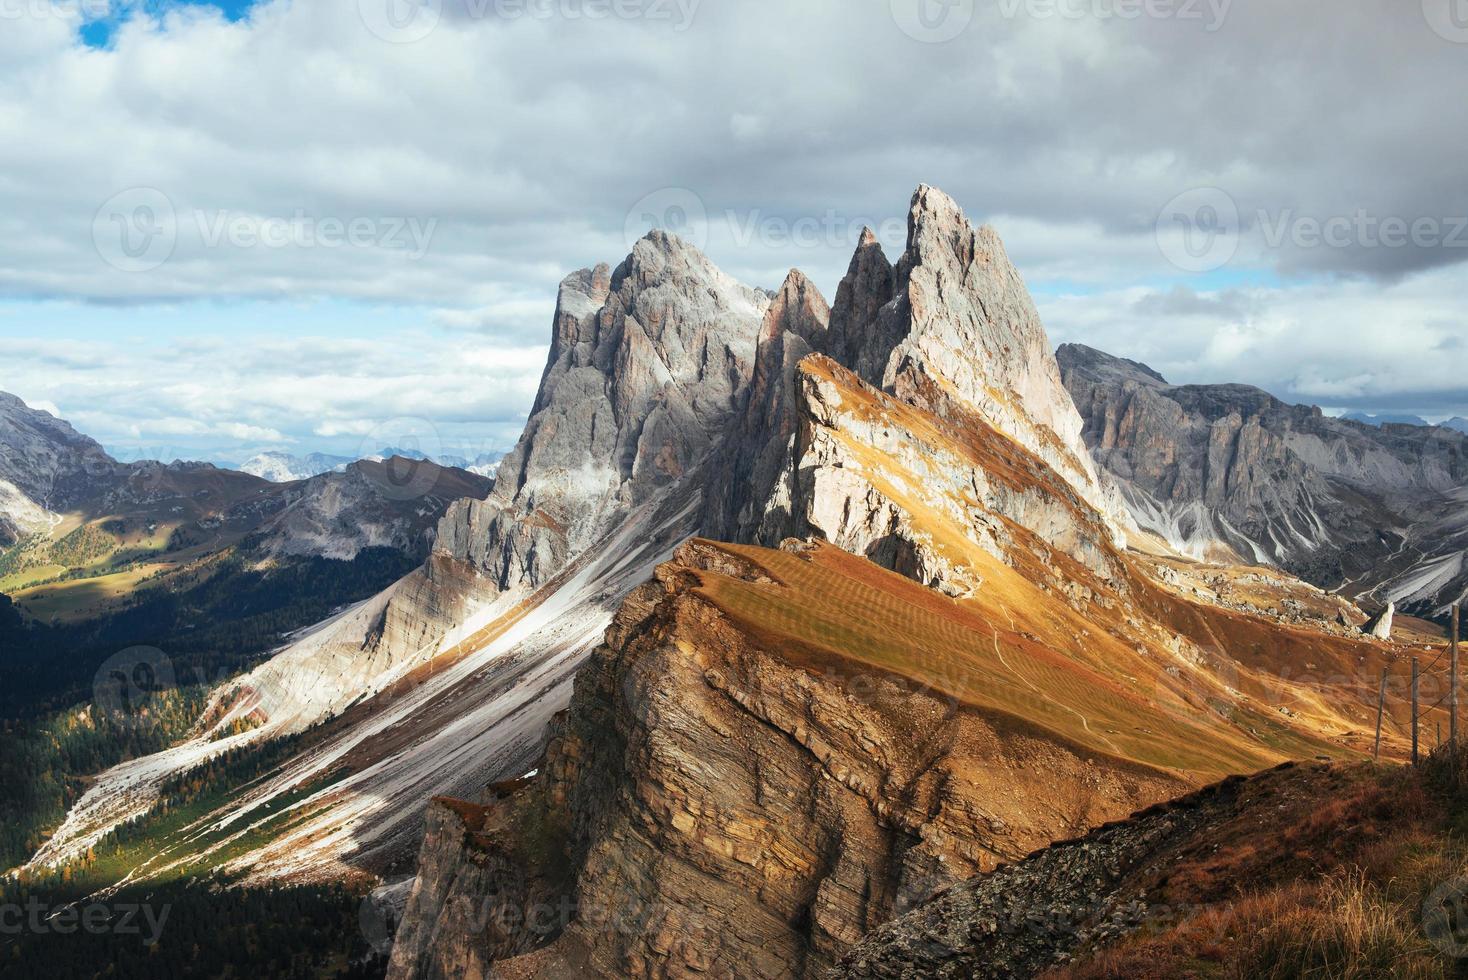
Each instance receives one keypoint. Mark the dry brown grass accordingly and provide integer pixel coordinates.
(1324, 876)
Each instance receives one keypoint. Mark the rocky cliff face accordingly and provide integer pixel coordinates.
(1230, 472)
(647, 364)
(932, 367)
(751, 484)
(729, 807)
(46, 467)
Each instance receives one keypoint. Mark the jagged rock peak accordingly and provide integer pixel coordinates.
(749, 493)
(649, 363)
(971, 320)
(799, 308)
(954, 315)
(866, 288)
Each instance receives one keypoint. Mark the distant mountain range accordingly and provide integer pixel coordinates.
(103, 554)
(1228, 472)
(1457, 423)
(279, 467)
(1385, 419)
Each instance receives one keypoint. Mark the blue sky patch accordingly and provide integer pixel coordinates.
(98, 33)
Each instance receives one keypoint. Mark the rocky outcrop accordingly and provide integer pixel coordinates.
(46, 467)
(859, 337)
(1230, 472)
(881, 478)
(1026, 917)
(487, 909)
(730, 812)
(933, 366)
(750, 485)
(1380, 625)
(647, 365)
(962, 317)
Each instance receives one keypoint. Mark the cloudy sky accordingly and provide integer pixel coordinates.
(313, 225)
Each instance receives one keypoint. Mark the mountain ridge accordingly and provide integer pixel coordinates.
(1230, 471)
(927, 638)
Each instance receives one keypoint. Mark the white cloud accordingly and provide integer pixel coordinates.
(1350, 344)
(516, 148)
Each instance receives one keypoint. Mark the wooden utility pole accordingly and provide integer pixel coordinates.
(1453, 683)
(1380, 707)
(1414, 711)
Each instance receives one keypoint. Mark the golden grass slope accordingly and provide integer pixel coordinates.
(1098, 653)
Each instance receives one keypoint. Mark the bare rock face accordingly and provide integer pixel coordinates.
(854, 338)
(1380, 625)
(647, 366)
(961, 315)
(949, 334)
(1232, 473)
(730, 814)
(879, 477)
(750, 486)
(46, 467)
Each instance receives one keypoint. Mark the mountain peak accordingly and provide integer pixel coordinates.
(1101, 366)
(961, 317)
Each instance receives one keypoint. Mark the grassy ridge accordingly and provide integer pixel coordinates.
(1012, 649)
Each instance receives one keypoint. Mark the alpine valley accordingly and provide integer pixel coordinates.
(794, 638)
